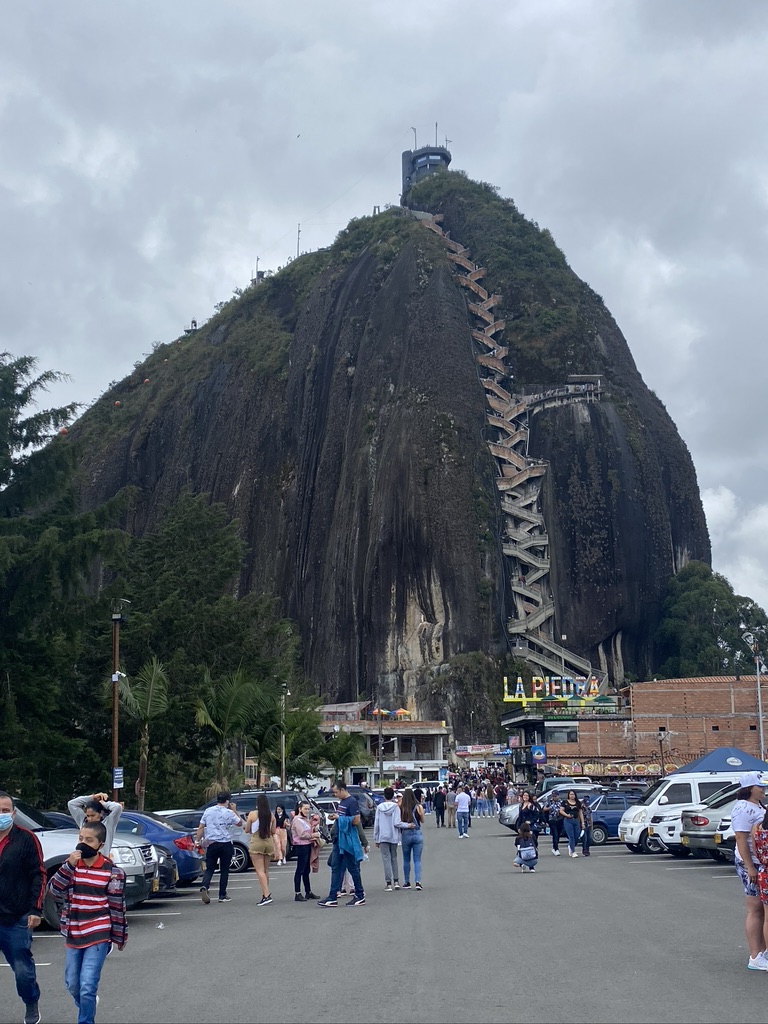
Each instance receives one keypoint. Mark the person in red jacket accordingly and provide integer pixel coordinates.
(93, 917)
(22, 888)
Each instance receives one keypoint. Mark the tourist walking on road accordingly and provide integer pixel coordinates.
(555, 822)
(411, 820)
(573, 821)
(97, 808)
(347, 850)
(439, 803)
(463, 802)
(527, 853)
(93, 918)
(22, 888)
(747, 812)
(280, 838)
(302, 838)
(215, 830)
(586, 817)
(260, 826)
(450, 803)
(386, 836)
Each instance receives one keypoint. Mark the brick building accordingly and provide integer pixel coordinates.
(680, 719)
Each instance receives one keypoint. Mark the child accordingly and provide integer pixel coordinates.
(527, 854)
(93, 891)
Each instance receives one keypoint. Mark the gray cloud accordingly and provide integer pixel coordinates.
(153, 152)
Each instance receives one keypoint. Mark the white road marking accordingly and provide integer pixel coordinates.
(37, 964)
(170, 913)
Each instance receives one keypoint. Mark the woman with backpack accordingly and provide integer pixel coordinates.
(527, 854)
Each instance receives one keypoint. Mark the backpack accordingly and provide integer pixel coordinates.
(527, 852)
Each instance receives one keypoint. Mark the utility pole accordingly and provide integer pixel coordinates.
(749, 639)
(661, 752)
(381, 741)
(298, 238)
(415, 140)
(285, 692)
(117, 618)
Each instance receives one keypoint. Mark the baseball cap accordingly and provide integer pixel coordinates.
(751, 779)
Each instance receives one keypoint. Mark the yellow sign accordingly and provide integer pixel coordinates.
(549, 687)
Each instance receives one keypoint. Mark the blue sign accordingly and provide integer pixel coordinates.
(117, 778)
(539, 754)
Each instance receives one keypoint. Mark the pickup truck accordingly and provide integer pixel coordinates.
(137, 858)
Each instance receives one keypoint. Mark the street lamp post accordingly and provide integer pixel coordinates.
(381, 741)
(750, 639)
(117, 618)
(662, 735)
(471, 727)
(285, 693)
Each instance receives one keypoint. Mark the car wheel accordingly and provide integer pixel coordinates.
(679, 851)
(717, 856)
(634, 847)
(648, 844)
(240, 859)
(599, 835)
(51, 911)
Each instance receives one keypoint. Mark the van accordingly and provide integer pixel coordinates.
(673, 792)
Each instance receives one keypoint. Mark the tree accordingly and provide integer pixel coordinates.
(228, 708)
(145, 699)
(702, 626)
(344, 750)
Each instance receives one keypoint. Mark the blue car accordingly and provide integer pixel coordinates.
(175, 842)
(607, 810)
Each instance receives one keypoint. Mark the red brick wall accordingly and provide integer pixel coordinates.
(688, 709)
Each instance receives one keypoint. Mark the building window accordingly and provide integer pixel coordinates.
(753, 728)
(561, 732)
(715, 728)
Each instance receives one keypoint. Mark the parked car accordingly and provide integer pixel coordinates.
(328, 806)
(509, 813)
(607, 810)
(553, 782)
(60, 820)
(167, 873)
(634, 789)
(725, 838)
(669, 795)
(176, 843)
(245, 801)
(134, 855)
(700, 825)
(187, 820)
(367, 805)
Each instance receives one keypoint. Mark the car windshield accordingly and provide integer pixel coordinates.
(29, 817)
(161, 822)
(722, 796)
(648, 798)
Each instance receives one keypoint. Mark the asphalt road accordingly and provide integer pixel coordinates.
(617, 937)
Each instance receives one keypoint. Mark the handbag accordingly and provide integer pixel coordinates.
(319, 842)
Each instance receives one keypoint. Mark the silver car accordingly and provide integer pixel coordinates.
(701, 825)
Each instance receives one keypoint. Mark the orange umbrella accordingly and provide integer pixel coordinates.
(380, 711)
(402, 711)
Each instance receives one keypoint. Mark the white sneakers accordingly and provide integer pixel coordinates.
(555, 853)
(574, 854)
(759, 962)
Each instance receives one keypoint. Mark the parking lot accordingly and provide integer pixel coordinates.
(615, 937)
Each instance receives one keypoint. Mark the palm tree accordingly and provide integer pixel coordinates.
(145, 698)
(343, 751)
(229, 707)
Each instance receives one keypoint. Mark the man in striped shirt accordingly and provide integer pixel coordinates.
(93, 917)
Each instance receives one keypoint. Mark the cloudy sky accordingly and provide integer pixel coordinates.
(152, 152)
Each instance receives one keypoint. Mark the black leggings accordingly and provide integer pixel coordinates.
(302, 868)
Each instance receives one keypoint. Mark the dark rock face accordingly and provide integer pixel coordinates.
(336, 411)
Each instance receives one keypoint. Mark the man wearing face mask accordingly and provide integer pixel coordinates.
(97, 808)
(22, 888)
(93, 917)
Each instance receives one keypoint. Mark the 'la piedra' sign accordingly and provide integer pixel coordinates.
(548, 687)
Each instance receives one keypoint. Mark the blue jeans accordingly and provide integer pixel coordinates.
(82, 970)
(572, 829)
(16, 946)
(462, 821)
(343, 861)
(413, 844)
